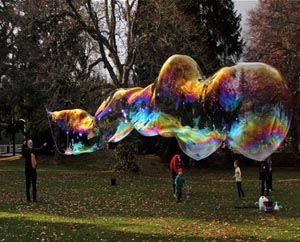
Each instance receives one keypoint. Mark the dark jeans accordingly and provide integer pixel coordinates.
(265, 184)
(269, 181)
(178, 194)
(173, 180)
(30, 177)
(240, 190)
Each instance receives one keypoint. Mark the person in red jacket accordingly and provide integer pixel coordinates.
(175, 164)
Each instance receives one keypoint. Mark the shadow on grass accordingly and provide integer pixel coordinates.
(76, 202)
(28, 228)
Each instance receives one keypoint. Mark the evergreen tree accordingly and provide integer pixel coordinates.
(208, 31)
(219, 22)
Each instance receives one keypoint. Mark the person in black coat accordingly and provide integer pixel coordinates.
(270, 178)
(29, 153)
(263, 177)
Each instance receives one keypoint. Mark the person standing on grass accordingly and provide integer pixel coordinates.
(29, 153)
(175, 164)
(263, 177)
(269, 178)
(179, 182)
(238, 178)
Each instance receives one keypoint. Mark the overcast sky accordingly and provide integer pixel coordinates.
(243, 7)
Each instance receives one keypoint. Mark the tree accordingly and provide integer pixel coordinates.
(6, 35)
(273, 37)
(163, 30)
(58, 47)
(46, 60)
(208, 31)
(219, 22)
(11, 86)
(111, 25)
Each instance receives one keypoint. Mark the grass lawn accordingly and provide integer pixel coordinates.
(76, 202)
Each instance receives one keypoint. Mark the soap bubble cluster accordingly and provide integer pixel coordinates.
(245, 106)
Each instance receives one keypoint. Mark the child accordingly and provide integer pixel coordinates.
(176, 163)
(238, 178)
(179, 182)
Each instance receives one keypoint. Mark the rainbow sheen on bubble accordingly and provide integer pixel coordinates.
(80, 128)
(245, 106)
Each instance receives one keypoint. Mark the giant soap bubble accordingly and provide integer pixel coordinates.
(245, 106)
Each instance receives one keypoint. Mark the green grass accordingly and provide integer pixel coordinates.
(76, 202)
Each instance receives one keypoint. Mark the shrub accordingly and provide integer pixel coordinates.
(125, 153)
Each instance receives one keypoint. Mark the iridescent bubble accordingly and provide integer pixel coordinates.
(244, 106)
(81, 133)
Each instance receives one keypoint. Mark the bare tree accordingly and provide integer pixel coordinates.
(111, 25)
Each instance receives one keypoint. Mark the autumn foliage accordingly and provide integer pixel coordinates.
(273, 38)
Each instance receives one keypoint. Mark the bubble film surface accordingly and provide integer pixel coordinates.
(245, 106)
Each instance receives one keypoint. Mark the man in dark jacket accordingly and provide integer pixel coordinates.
(263, 177)
(29, 153)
